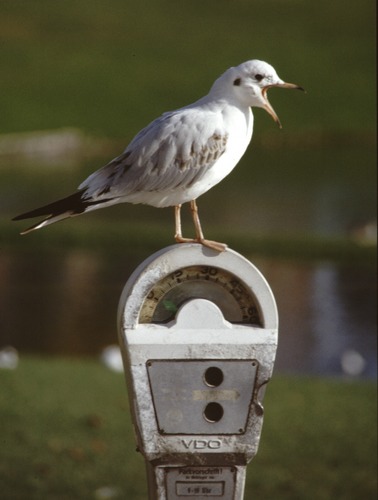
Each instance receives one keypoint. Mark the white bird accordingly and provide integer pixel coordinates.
(180, 155)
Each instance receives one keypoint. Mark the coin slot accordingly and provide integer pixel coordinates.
(213, 412)
(213, 376)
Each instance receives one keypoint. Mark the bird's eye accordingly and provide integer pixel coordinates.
(259, 77)
(237, 81)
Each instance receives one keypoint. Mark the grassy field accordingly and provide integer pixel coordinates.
(66, 433)
(110, 238)
(110, 67)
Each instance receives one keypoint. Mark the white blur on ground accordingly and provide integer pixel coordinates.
(111, 357)
(352, 363)
(8, 358)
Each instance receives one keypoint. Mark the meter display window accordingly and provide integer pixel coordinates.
(221, 287)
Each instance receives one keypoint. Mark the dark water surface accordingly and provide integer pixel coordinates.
(66, 304)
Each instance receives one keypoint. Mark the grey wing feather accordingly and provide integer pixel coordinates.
(175, 150)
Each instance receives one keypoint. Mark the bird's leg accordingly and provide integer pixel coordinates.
(178, 231)
(219, 247)
(178, 234)
(196, 221)
(215, 245)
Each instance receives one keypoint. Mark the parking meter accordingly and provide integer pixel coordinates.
(198, 333)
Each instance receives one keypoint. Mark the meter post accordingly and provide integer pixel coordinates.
(198, 332)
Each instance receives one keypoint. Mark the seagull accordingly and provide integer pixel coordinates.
(180, 155)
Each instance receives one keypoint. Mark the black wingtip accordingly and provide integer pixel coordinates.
(73, 203)
(19, 217)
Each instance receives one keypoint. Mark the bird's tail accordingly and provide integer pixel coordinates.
(56, 211)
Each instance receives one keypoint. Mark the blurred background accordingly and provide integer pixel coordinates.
(80, 78)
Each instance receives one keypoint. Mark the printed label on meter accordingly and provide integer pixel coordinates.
(188, 482)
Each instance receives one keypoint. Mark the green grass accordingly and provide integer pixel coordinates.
(66, 432)
(111, 238)
(110, 67)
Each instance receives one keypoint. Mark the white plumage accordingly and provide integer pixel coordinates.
(180, 155)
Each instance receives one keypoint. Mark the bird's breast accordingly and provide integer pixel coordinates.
(237, 127)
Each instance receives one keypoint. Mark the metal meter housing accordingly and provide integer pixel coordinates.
(198, 332)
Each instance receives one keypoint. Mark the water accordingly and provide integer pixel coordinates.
(64, 302)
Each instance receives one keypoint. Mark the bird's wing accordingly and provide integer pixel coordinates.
(175, 150)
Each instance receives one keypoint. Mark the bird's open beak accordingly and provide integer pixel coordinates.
(268, 107)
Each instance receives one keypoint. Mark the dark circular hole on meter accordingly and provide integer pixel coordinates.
(213, 376)
(213, 412)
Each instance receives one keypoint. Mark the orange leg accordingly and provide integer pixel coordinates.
(215, 245)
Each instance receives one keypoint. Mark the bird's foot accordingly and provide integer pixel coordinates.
(214, 245)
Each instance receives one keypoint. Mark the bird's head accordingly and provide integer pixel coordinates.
(249, 83)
